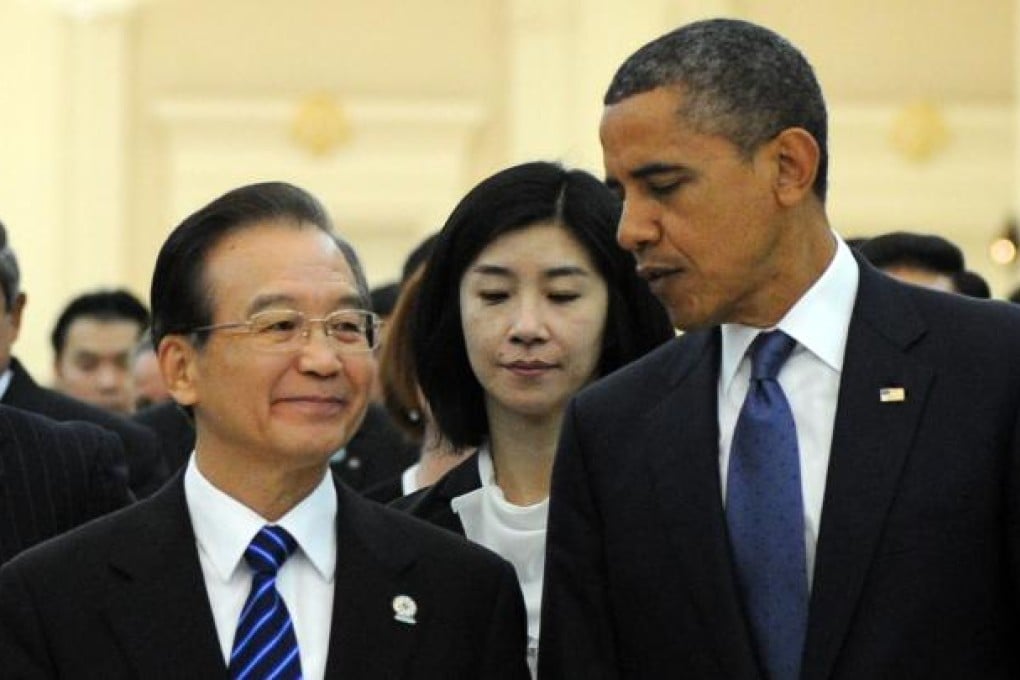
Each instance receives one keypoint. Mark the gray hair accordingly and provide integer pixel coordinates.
(10, 274)
(739, 80)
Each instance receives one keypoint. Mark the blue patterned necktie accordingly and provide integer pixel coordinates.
(765, 513)
(265, 645)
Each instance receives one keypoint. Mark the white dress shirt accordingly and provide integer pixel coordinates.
(224, 527)
(819, 322)
(514, 532)
(5, 381)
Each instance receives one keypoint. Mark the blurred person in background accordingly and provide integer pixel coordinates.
(93, 344)
(407, 406)
(148, 386)
(147, 472)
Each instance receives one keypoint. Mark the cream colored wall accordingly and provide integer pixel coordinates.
(114, 128)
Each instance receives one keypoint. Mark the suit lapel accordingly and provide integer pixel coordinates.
(870, 443)
(159, 601)
(681, 445)
(365, 638)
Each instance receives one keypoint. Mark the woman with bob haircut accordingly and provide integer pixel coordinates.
(526, 299)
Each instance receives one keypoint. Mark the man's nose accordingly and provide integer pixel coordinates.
(638, 225)
(109, 377)
(319, 352)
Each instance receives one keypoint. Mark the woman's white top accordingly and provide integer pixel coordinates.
(514, 532)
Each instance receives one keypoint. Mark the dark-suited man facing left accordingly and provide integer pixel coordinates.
(252, 562)
(821, 478)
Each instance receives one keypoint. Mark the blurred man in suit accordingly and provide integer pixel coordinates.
(93, 345)
(147, 471)
(924, 260)
(53, 477)
(820, 478)
(147, 381)
(253, 561)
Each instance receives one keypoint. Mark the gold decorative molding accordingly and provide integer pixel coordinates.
(320, 125)
(919, 132)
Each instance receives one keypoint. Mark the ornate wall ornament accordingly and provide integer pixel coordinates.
(919, 132)
(320, 125)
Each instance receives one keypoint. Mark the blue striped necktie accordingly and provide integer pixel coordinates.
(765, 513)
(265, 645)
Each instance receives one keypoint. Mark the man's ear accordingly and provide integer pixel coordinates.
(178, 362)
(16, 310)
(797, 154)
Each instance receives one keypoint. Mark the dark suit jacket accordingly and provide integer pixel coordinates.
(432, 503)
(124, 597)
(377, 452)
(147, 471)
(916, 572)
(53, 477)
(174, 430)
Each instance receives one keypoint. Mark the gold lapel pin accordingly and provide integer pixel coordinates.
(888, 395)
(404, 609)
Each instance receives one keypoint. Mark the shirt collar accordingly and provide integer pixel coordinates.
(223, 526)
(818, 321)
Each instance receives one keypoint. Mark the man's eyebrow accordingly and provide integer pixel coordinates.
(262, 302)
(656, 169)
(644, 172)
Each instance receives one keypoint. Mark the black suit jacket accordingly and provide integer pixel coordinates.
(916, 572)
(432, 503)
(174, 430)
(53, 477)
(147, 472)
(124, 597)
(377, 452)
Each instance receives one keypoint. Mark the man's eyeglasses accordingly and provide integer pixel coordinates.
(284, 330)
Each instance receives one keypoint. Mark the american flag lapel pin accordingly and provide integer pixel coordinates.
(888, 395)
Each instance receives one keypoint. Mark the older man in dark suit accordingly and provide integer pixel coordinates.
(253, 562)
(821, 478)
(147, 472)
(53, 477)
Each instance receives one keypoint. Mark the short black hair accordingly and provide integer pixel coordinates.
(909, 249)
(739, 80)
(971, 284)
(10, 274)
(418, 256)
(102, 305)
(517, 198)
(180, 295)
(384, 298)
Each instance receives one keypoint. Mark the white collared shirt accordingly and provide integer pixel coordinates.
(819, 322)
(224, 527)
(5, 381)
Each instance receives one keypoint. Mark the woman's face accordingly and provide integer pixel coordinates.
(533, 308)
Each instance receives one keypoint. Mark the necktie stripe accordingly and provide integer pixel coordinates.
(283, 665)
(265, 645)
(254, 598)
(269, 647)
(239, 647)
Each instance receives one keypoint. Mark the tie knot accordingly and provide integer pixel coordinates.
(269, 549)
(769, 352)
